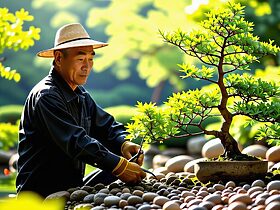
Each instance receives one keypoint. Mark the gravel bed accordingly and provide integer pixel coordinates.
(176, 191)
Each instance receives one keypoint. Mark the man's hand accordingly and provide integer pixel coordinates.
(129, 149)
(129, 172)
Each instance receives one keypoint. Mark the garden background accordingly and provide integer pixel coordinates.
(136, 66)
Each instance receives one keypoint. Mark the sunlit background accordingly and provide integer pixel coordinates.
(136, 66)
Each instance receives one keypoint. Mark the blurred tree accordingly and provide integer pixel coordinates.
(132, 27)
(13, 36)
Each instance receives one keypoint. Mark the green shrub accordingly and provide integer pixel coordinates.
(10, 113)
(8, 135)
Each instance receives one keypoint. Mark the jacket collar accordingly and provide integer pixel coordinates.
(68, 93)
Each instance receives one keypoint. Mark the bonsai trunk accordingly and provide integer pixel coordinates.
(230, 145)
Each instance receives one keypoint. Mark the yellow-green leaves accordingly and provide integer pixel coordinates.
(195, 72)
(183, 112)
(226, 40)
(13, 36)
(7, 73)
(152, 123)
(31, 201)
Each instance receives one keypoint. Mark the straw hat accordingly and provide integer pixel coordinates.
(71, 35)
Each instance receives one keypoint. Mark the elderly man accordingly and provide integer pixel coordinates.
(62, 128)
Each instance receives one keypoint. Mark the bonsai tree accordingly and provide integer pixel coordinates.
(225, 46)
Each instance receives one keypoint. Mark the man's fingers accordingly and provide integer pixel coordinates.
(127, 155)
(140, 159)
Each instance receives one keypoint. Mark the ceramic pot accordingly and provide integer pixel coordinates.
(230, 170)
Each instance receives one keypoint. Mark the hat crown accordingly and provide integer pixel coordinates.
(70, 32)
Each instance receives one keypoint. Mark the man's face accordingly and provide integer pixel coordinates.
(76, 65)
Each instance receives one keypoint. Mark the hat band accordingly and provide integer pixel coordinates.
(71, 40)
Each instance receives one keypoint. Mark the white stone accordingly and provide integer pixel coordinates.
(273, 154)
(212, 148)
(195, 144)
(177, 163)
(189, 167)
(256, 150)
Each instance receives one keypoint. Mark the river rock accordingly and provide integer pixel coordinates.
(256, 150)
(237, 205)
(78, 195)
(195, 144)
(189, 167)
(161, 170)
(171, 205)
(98, 208)
(272, 198)
(89, 198)
(275, 166)
(160, 200)
(99, 198)
(275, 205)
(149, 196)
(273, 185)
(244, 198)
(112, 200)
(212, 148)
(177, 163)
(273, 154)
(207, 204)
(160, 160)
(133, 200)
(258, 182)
(61, 194)
(214, 198)
(83, 206)
(145, 207)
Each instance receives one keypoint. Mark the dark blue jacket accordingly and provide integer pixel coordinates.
(60, 131)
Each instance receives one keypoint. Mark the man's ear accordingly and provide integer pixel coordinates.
(57, 57)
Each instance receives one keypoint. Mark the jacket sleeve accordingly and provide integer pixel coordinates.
(63, 129)
(108, 131)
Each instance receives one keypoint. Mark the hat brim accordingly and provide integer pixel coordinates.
(78, 43)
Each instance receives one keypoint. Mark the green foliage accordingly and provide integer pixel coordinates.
(270, 133)
(224, 45)
(136, 38)
(8, 135)
(13, 36)
(10, 113)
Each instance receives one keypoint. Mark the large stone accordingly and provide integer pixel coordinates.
(58, 195)
(112, 200)
(195, 144)
(161, 170)
(189, 167)
(275, 166)
(177, 163)
(160, 160)
(273, 185)
(212, 148)
(160, 200)
(149, 196)
(134, 200)
(244, 198)
(256, 150)
(78, 195)
(273, 154)
(171, 205)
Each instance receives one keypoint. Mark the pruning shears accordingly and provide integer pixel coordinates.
(135, 157)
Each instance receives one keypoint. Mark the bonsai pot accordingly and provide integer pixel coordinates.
(239, 171)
